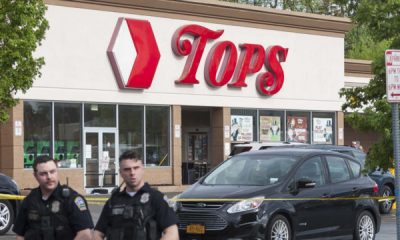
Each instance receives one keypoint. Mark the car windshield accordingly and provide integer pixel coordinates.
(258, 170)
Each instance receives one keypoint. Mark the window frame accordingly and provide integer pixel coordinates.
(323, 170)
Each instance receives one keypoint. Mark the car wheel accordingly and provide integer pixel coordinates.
(6, 216)
(386, 206)
(279, 229)
(365, 227)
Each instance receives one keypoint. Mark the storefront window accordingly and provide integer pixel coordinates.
(298, 127)
(243, 125)
(67, 134)
(37, 131)
(157, 136)
(131, 129)
(323, 128)
(100, 115)
(271, 126)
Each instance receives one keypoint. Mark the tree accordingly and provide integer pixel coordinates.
(22, 27)
(376, 29)
(325, 7)
(381, 18)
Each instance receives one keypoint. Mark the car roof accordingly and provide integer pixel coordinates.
(269, 144)
(299, 152)
(331, 147)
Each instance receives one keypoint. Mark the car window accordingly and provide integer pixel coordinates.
(355, 168)
(360, 156)
(237, 150)
(312, 169)
(338, 169)
(349, 153)
(264, 147)
(251, 170)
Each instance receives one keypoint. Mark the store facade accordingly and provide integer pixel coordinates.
(176, 81)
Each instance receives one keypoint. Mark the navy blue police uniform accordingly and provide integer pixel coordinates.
(59, 217)
(143, 216)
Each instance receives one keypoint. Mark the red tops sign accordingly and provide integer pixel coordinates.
(222, 59)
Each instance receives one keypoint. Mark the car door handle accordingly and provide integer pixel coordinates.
(355, 189)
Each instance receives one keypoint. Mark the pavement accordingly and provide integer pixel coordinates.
(387, 232)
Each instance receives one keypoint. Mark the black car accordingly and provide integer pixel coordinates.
(384, 179)
(281, 194)
(8, 208)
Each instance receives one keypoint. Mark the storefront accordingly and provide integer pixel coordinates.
(176, 81)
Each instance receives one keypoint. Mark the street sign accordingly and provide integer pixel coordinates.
(392, 63)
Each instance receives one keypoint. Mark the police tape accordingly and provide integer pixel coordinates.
(101, 200)
(10, 197)
(380, 199)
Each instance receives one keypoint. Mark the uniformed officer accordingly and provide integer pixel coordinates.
(52, 211)
(138, 212)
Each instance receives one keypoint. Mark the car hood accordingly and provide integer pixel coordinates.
(6, 184)
(201, 191)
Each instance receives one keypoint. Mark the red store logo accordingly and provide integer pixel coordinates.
(222, 58)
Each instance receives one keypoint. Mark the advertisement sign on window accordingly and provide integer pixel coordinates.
(270, 128)
(297, 129)
(322, 130)
(241, 128)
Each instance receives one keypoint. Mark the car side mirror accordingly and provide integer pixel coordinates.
(305, 183)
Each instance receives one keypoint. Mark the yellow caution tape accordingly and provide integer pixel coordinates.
(102, 200)
(10, 197)
(277, 199)
(90, 199)
(97, 200)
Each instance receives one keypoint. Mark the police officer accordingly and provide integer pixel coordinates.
(52, 211)
(138, 212)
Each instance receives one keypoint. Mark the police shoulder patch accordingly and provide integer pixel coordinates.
(80, 203)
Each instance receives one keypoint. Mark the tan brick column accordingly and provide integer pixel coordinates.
(12, 142)
(220, 123)
(340, 128)
(176, 159)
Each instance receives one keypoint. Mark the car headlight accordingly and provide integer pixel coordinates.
(246, 205)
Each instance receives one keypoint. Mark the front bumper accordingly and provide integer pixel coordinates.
(223, 226)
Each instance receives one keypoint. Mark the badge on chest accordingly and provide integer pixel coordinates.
(55, 206)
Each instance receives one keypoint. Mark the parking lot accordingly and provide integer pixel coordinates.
(387, 232)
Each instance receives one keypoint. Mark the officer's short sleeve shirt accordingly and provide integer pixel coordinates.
(79, 214)
(164, 215)
(20, 226)
(77, 211)
(102, 223)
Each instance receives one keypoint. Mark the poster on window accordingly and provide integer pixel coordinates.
(322, 130)
(270, 128)
(297, 129)
(241, 128)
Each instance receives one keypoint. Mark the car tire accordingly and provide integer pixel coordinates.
(279, 228)
(365, 227)
(386, 206)
(6, 216)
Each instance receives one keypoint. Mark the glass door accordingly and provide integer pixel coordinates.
(100, 161)
(196, 162)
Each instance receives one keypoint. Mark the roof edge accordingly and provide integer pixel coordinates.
(357, 66)
(235, 12)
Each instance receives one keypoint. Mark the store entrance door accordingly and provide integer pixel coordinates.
(100, 153)
(196, 163)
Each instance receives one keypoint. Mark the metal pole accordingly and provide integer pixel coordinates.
(396, 151)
